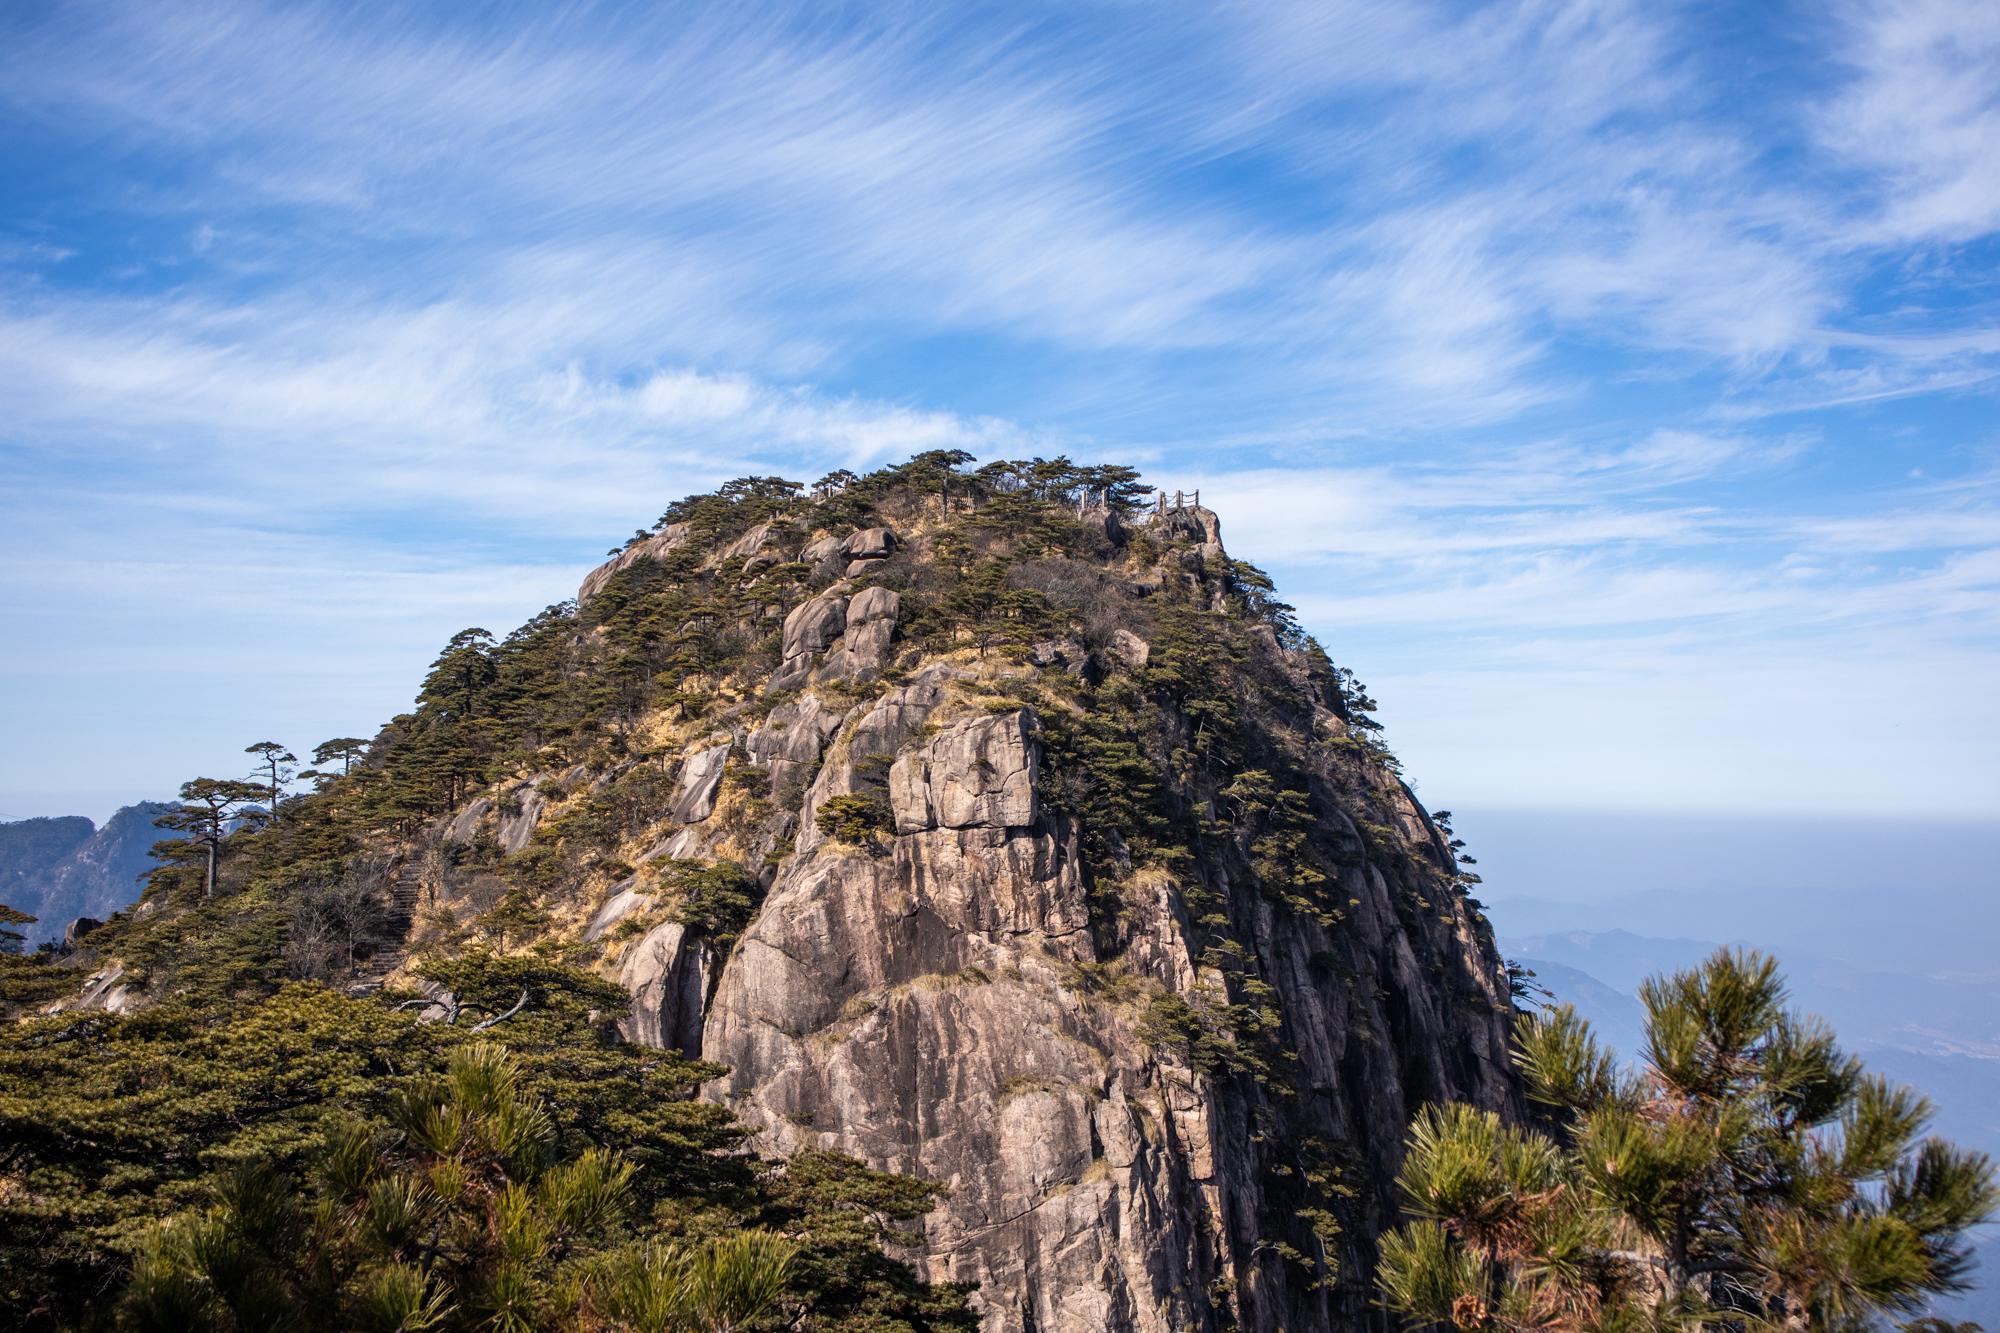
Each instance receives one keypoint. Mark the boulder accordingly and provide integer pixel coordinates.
(76, 930)
(1129, 648)
(870, 544)
(1063, 654)
(823, 548)
(871, 624)
(790, 674)
(826, 557)
(810, 629)
(813, 626)
(1192, 523)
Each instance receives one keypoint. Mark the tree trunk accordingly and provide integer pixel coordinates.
(208, 883)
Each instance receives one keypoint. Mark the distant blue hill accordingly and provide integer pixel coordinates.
(60, 869)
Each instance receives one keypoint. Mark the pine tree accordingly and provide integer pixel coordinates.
(462, 1211)
(208, 805)
(10, 939)
(1748, 1174)
(272, 759)
(346, 749)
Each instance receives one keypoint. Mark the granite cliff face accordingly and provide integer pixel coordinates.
(1164, 1074)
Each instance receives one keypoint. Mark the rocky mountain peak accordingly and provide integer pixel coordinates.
(994, 827)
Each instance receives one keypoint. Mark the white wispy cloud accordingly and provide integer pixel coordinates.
(1516, 323)
(1505, 177)
(1921, 114)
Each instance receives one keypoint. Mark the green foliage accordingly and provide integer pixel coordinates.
(855, 818)
(1564, 1065)
(10, 940)
(843, 1213)
(734, 505)
(1095, 767)
(107, 1124)
(1749, 1174)
(27, 981)
(717, 898)
(331, 1162)
(457, 1209)
(723, 1284)
(1211, 1034)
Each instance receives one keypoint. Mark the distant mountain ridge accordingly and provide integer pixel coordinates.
(58, 869)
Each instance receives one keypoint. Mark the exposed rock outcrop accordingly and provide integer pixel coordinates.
(652, 548)
(792, 738)
(700, 780)
(810, 629)
(667, 972)
(871, 544)
(520, 810)
(979, 773)
(864, 641)
(749, 544)
(1067, 1049)
(872, 734)
(928, 1009)
(826, 557)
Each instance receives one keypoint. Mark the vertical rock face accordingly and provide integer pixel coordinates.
(668, 975)
(701, 778)
(980, 772)
(789, 743)
(937, 1007)
(1161, 1097)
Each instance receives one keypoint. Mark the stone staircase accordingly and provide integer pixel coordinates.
(405, 891)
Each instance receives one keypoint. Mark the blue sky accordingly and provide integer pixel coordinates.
(1612, 385)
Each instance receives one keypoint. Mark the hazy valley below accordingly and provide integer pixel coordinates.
(1887, 929)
